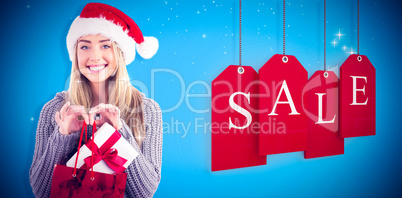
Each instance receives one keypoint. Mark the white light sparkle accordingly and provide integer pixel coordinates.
(344, 48)
(334, 42)
(339, 34)
(351, 51)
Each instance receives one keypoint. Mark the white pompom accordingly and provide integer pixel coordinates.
(148, 48)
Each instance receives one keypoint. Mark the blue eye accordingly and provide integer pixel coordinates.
(84, 47)
(105, 46)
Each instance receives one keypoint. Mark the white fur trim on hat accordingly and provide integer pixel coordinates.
(148, 48)
(92, 26)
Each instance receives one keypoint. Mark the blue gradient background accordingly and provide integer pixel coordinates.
(198, 40)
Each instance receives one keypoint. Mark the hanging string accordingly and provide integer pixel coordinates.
(325, 35)
(284, 26)
(239, 32)
(358, 28)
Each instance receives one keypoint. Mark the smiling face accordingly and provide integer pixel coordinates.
(96, 59)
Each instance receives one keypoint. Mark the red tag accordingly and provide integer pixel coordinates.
(357, 97)
(321, 106)
(234, 119)
(282, 119)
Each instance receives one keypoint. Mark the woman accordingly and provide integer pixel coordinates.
(101, 42)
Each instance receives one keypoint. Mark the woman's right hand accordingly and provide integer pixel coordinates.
(67, 118)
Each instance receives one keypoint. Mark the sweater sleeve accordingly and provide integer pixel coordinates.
(51, 148)
(144, 173)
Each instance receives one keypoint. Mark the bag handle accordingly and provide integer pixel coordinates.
(92, 149)
(84, 128)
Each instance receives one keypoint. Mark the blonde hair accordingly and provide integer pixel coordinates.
(120, 93)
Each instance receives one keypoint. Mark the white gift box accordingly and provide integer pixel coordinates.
(124, 149)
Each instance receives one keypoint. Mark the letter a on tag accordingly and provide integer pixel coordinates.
(320, 100)
(357, 97)
(235, 126)
(283, 124)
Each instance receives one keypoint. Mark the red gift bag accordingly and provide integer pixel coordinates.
(70, 182)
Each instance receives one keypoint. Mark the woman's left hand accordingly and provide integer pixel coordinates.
(109, 113)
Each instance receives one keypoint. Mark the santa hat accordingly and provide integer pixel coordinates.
(108, 21)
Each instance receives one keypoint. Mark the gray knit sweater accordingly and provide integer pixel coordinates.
(51, 147)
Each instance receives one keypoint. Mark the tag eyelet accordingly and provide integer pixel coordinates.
(285, 59)
(240, 70)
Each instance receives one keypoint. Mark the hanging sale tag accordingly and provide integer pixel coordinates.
(283, 123)
(357, 97)
(320, 99)
(234, 119)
